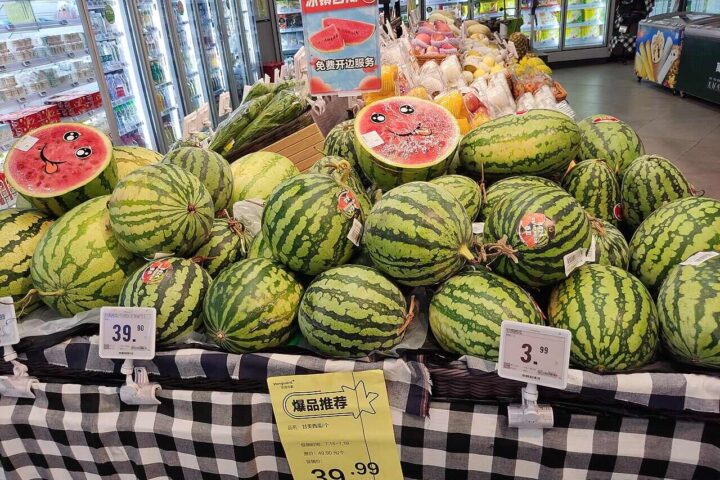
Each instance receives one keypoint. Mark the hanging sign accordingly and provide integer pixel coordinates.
(343, 46)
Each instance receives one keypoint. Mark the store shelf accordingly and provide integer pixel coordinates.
(289, 10)
(291, 30)
(84, 117)
(131, 129)
(122, 100)
(108, 37)
(167, 111)
(42, 61)
(543, 7)
(99, 6)
(546, 45)
(592, 23)
(585, 42)
(526, 28)
(163, 85)
(34, 26)
(39, 97)
(116, 67)
(583, 6)
(291, 50)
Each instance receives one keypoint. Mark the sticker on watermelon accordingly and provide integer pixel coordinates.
(156, 272)
(536, 230)
(605, 119)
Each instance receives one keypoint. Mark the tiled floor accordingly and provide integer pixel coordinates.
(685, 130)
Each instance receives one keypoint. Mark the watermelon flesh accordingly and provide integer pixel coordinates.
(327, 40)
(352, 32)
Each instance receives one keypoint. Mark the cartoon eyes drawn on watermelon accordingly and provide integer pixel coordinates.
(51, 166)
(71, 136)
(377, 118)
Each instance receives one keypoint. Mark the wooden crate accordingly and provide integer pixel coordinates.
(303, 147)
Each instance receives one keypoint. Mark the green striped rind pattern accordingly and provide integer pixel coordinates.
(540, 265)
(20, 232)
(538, 142)
(340, 142)
(467, 311)
(257, 174)
(612, 318)
(129, 159)
(649, 183)
(328, 166)
(670, 235)
(350, 311)
(614, 141)
(161, 209)
(303, 225)
(78, 264)
(418, 234)
(498, 190)
(251, 306)
(689, 309)
(465, 189)
(228, 244)
(177, 297)
(210, 168)
(594, 184)
(611, 248)
(259, 248)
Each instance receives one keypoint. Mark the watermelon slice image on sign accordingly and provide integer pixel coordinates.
(352, 32)
(327, 40)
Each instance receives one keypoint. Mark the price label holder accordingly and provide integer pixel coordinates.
(128, 333)
(537, 355)
(336, 426)
(19, 384)
(224, 102)
(189, 125)
(203, 121)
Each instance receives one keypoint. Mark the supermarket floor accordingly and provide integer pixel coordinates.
(685, 130)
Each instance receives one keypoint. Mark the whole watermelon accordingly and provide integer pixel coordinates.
(340, 142)
(352, 310)
(612, 318)
(257, 174)
(175, 288)
(465, 190)
(611, 248)
(418, 234)
(210, 168)
(228, 244)
(259, 248)
(129, 159)
(670, 235)
(498, 190)
(594, 184)
(649, 183)
(467, 311)
(689, 309)
(606, 137)
(306, 222)
(335, 167)
(251, 306)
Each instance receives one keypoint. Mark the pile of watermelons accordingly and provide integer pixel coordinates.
(530, 217)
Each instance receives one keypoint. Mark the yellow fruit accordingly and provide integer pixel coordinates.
(452, 101)
(464, 125)
(545, 69)
(479, 119)
(497, 69)
(489, 61)
(473, 53)
(389, 75)
(419, 92)
(535, 62)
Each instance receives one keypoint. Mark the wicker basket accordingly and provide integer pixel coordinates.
(421, 59)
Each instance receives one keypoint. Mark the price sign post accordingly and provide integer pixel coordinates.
(537, 355)
(20, 384)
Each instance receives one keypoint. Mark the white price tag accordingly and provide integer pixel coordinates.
(574, 260)
(26, 143)
(534, 354)
(478, 228)
(355, 233)
(189, 123)
(224, 106)
(699, 258)
(590, 257)
(372, 139)
(127, 332)
(203, 118)
(9, 334)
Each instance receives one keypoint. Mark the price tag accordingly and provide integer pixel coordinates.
(574, 260)
(699, 258)
(189, 123)
(478, 228)
(336, 426)
(355, 233)
(203, 118)
(372, 139)
(224, 106)
(534, 354)
(26, 143)
(127, 332)
(9, 334)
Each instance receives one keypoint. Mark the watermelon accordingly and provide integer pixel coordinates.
(498, 190)
(306, 222)
(195, 139)
(259, 248)
(404, 139)
(606, 137)
(228, 244)
(611, 248)
(352, 310)
(256, 175)
(542, 225)
(334, 166)
(78, 264)
(467, 311)
(353, 32)
(251, 306)
(20, 232)
(340, 142)
(670, 235)
(212, 170)
(689, 309)
(612, 318)
(418, 234)
(64, 165)
(327, 40)
(464, 189)
(161, 209)
(649, 183)
(129, 159)
(595, 186)
(537, 142)
(175, 288)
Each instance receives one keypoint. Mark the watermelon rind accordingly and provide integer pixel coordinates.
(606, 137)
(340, 142)
(498, 190)
(465, 190)
(129, 159)
(611, 248)
(334, 167)
(210, 168)
(259, 248)
(594, 184)
(229, 242)
(257, 174)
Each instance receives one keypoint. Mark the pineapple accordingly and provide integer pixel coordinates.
(522, 44)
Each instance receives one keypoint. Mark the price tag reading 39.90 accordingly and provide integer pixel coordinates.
(127, 332)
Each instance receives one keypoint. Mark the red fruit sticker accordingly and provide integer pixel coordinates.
(618, 212)
(348, 204)
(521, 112)
(605, 119)
(536, 230)
(156, 272)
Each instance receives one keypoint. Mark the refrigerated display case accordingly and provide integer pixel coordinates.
(242, 53)
(586, 24)
(665, 6)
(699, 74)
(462, 8)
(489, 9)
(290, 27)
(546, 31)
(703, 6)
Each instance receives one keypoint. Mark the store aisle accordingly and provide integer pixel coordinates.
(685, 130)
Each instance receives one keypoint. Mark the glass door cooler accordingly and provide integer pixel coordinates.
(586, 24)
(290, 27)
(242, 55)
(489, 9)
(548, 23)
(461, 8)
(703, 6)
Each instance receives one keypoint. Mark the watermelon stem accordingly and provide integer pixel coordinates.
(490, 251)
(465, 252)
(24, 302)
(412, 310)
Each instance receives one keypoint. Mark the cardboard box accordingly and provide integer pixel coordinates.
(303, 148)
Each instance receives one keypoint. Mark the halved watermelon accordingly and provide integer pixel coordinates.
(352, 32)
(62, 165)
(327, 40)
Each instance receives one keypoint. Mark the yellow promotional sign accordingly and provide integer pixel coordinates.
(336, 426)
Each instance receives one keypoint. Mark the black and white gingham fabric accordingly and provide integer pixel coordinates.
(70, 432)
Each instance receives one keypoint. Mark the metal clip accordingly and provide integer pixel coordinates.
(138, 390)
(20, 384)
(530, 414)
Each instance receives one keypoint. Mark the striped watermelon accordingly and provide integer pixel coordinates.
(175, 288)
(211, 168)
(537, 142)
(543, 224)
(649, 183)
(251, 306)
(467, 311)
(259, 248)
(78, 264)
(418, 234)
(306, 222)
(689, 309)
(334, 166)
(670, 235)
(606, 137)
(20, 232)
(129, 159)
(161, 209)
(228, 244)
(595, 186)
(611, 248)
(611, 316)
(340, 142)
(498, 190)
(465, 189)
(257, 174)
(352, 310)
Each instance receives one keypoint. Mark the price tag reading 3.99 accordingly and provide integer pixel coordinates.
(127, 332)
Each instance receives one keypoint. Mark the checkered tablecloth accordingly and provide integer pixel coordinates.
(70, 431)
